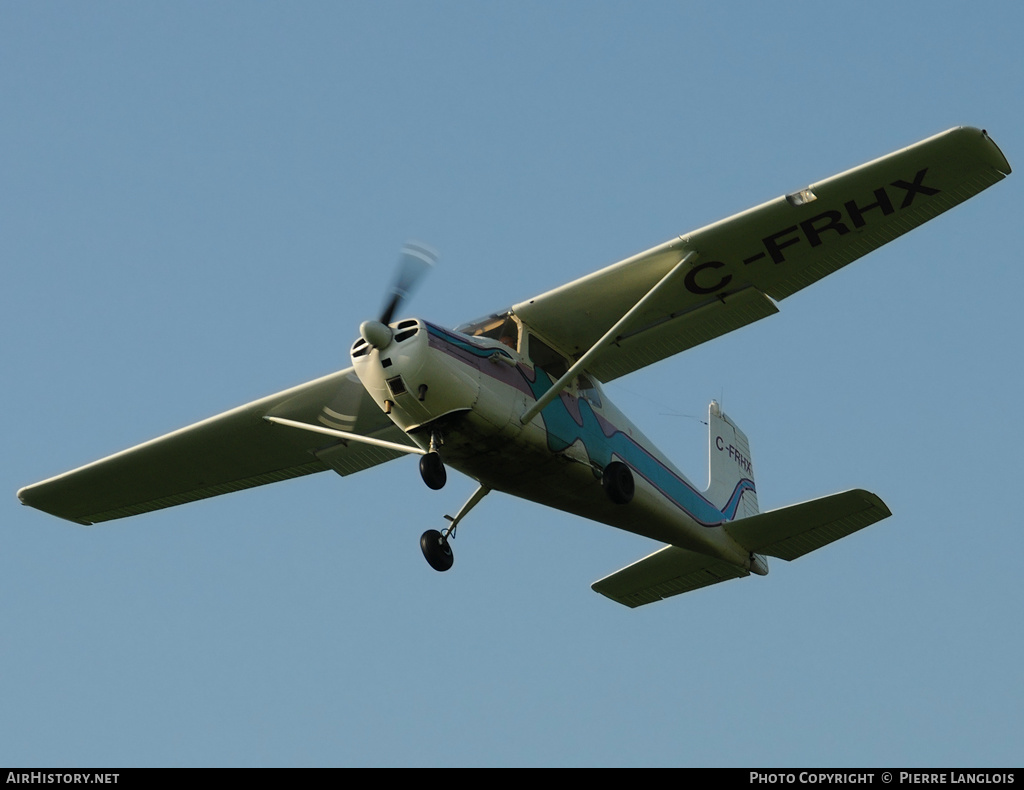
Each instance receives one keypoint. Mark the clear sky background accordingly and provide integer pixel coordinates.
(199, 204)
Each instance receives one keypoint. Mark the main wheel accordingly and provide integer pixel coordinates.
(432, 471)
(436, 550)
(618, 483)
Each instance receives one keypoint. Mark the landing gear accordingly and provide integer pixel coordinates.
(432, 467)
(436, 550)
(435, 545)
(432, 470)
(618, 483)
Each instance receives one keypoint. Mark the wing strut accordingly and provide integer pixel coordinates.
(352, 437)
(606, 339)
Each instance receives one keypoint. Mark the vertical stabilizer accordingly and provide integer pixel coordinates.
(731, 478)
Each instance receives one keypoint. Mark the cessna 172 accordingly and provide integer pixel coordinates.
(514, 401)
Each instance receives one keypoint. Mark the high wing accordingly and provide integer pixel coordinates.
(746, 263)
(232, 451)
(734, 272)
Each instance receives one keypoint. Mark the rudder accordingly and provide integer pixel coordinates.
(731, 472)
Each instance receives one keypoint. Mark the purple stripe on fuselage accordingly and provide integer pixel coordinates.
(477, 356)
(661, 477)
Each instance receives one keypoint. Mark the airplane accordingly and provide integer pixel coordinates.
(515, 400)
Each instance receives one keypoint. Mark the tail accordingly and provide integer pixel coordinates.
(787, 533)
(731, 472)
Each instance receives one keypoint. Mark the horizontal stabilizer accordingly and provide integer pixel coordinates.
(793, 531)
(670, 571)
(787, 533)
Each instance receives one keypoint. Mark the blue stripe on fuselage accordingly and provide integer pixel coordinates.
(564, 430)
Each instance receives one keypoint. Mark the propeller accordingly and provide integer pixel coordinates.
(414, 261)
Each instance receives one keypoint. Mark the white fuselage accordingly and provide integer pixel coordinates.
(469, 392)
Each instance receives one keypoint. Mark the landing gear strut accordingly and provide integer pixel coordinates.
(435, 545)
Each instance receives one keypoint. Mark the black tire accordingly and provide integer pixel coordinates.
(436, 550)
(432, 471)
(618, 483)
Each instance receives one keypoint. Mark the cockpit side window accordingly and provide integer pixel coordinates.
(509, 333)
(547, 359)
(588, 391)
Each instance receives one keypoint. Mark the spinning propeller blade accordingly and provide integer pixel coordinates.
(415, 260)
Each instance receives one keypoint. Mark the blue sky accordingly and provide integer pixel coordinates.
(201, 202)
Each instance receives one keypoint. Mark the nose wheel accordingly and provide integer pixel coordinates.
(432, 467)
(432, 470)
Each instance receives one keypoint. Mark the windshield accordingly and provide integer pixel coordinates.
(502, 327)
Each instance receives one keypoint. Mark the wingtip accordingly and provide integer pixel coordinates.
(998, 158)
(21, 495)
(874, 501)
(25, 497)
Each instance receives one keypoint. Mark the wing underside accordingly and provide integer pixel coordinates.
(748, 262)
(235, 450)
